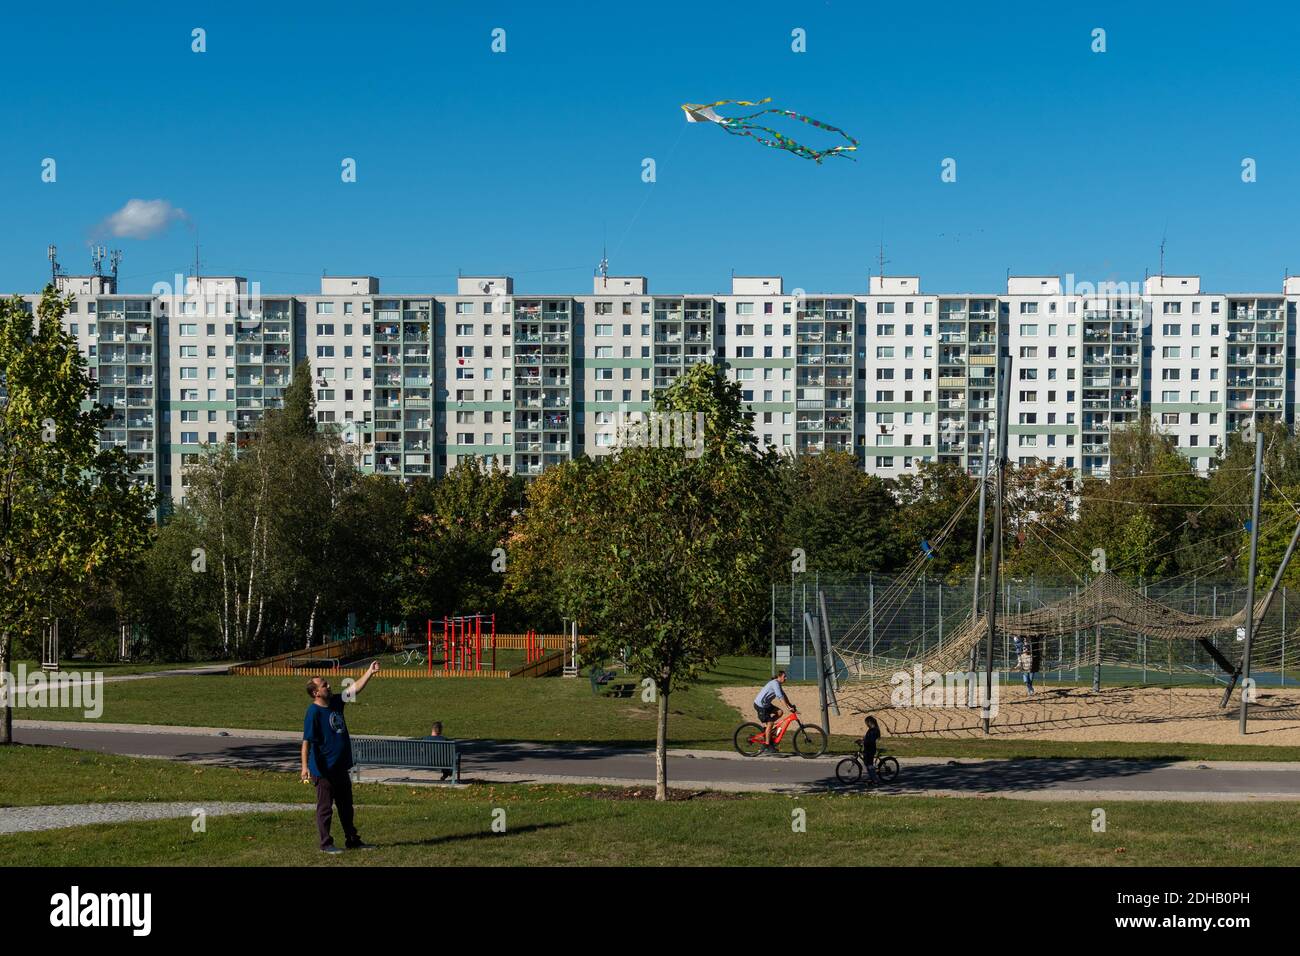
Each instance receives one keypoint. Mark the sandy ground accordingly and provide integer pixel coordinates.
(1131, 714)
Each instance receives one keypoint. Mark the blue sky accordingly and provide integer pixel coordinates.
(525, 162)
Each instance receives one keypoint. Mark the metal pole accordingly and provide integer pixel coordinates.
(871, 615)
(831, 678)
(979, 542)
(810, 625)
(941, 617)
(773, 629)
(1250, 581)
(803, 656)
(1096, 666)
(996, 556)
(1076, 633)
(1284, 637)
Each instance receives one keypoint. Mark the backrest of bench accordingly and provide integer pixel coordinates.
(403, 753)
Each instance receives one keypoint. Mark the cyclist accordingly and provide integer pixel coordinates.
(769, 712)
(869, 740)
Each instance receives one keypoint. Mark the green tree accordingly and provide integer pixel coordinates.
(662, 553)
(68, 509)
(455, 527)
(927, 501)
(839, 515)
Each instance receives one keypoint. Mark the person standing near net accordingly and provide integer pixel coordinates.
(1025, 660)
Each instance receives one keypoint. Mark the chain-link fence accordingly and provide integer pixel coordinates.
(889, 620)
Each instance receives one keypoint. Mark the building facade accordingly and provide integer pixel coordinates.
(896, 376)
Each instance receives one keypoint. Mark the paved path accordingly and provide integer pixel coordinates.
(1040, 779)
(28, 819)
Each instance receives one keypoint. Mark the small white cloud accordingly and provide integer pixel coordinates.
(141, 219)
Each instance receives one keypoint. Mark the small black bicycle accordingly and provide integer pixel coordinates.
(849, 770)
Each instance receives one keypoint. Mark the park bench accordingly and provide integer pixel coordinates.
(615, 688)
(400, 754)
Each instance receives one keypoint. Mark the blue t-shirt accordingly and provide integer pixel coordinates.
(330, 747)
(771, 690)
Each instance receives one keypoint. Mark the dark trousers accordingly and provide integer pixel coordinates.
(331, 788)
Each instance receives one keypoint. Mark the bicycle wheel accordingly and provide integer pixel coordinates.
(848, 771)
(810, 741)
(887, 769)
(742, 739)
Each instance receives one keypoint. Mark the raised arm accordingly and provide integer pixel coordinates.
(371, 671)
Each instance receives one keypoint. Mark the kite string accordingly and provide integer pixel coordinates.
(649, 193)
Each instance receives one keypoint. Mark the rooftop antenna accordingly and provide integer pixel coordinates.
(198, 263)
(114, 260)
(602, 270)
(52, 253)
(883, 260)
(97, 254)
(1163, 237)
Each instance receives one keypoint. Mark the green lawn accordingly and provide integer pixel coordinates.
(557, 826)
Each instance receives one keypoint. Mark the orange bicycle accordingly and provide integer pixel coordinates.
(809, 739)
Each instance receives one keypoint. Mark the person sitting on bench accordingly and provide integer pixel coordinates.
(435, 733)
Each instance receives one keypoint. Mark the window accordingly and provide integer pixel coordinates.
(884, 308)
(604, 331)
(324, 308)
(189, 328)
(189, 438)
(1028, 308)
(326, 329)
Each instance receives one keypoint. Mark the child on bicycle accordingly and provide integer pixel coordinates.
(869, 741)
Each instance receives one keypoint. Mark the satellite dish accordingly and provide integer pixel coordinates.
(485, 286)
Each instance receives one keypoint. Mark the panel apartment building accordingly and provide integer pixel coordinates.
(416, 382)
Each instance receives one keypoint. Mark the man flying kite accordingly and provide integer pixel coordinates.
(743, 126)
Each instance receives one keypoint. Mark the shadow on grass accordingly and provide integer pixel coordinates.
(462, 837)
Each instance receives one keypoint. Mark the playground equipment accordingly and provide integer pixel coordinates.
(462, 642)
(129, 640)
(50, 644)
(532, 647)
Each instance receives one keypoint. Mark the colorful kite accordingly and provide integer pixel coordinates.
(742, 126)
